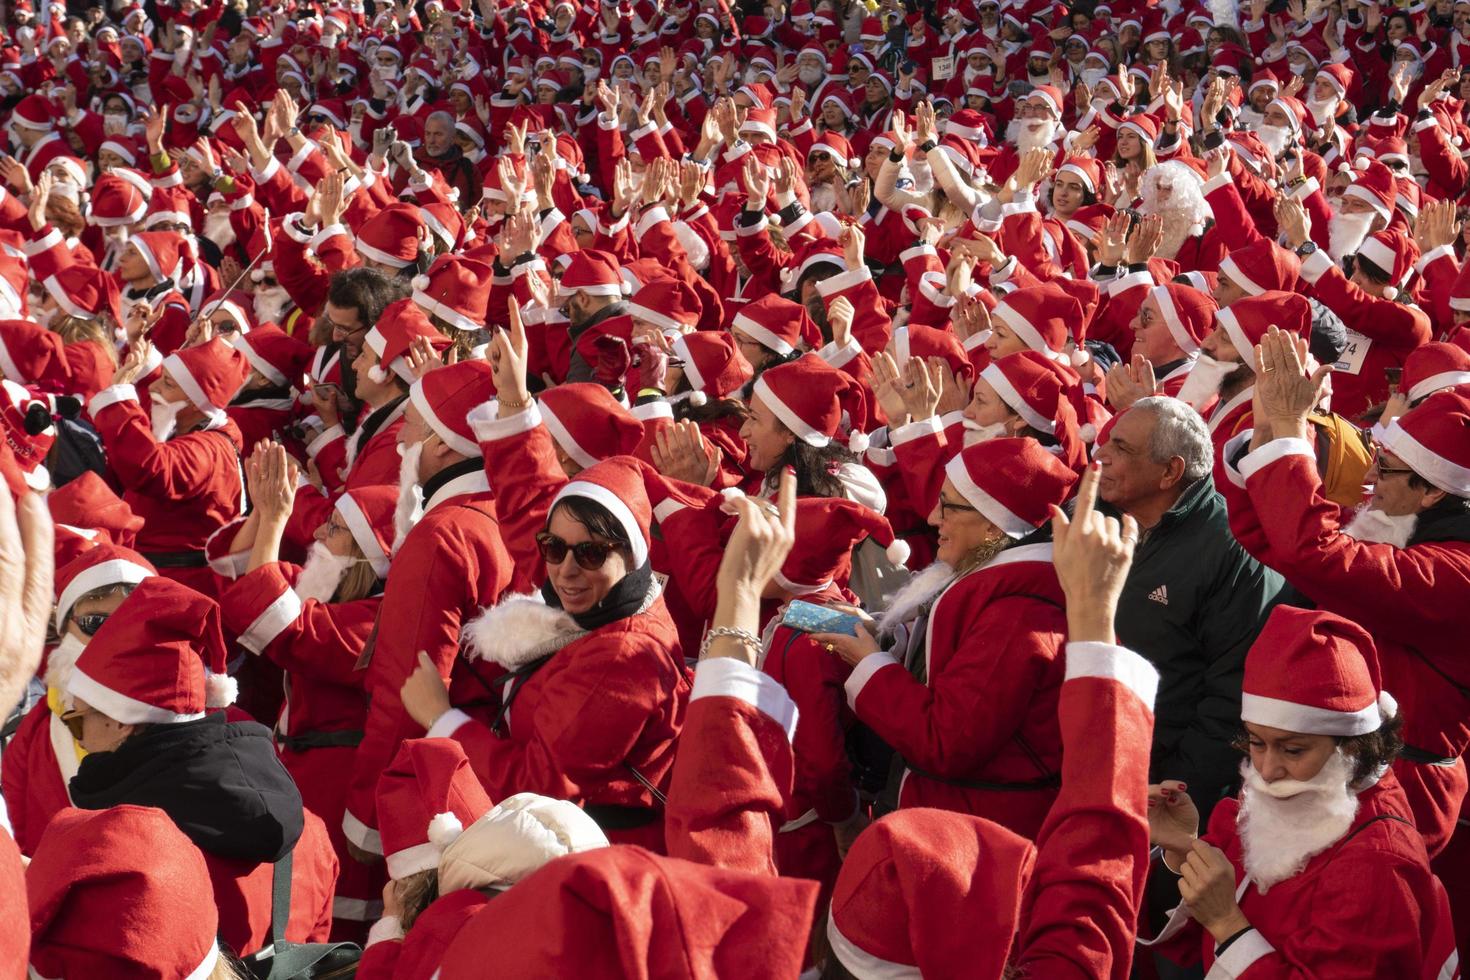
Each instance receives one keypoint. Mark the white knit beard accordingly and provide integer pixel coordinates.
(322, 573)
(164, 416)
(1274, 138)
(270, 302)
(824, 198)
(1282, 825)
(1346, 233)
(919, 590)
(975, 434)
(217, 228)
(1373, 526)
(1203, 381)
(1032, 134)
(410, 495)
(60, 663)
(1179, 227)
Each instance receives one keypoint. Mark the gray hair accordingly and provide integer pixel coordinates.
(445, 117)
(1178, 431)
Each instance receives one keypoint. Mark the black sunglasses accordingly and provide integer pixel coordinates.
(90, 623)
(945, 507)
(591, 555)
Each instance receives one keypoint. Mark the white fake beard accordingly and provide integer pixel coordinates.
(1282, 825)
(322, 573)
(824, 198)
(59, 665)
(913, 595)
(410, 495)
(1373, 526)
(115, 123)
(976, 433)
(217, 228)
(1204, 380)
(1321, 109)
(1179, 227)
(270, 302)
(1347, 232)
(1034, 134)
(1092, 77)
(164, 416)
(811, 75)
(1274, 138)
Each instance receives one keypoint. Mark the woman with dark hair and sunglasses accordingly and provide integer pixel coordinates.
(595, 686)
(43, 755)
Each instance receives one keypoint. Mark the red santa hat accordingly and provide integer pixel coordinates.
(588, 423)
(31, 354)
(669, 304)
(15, 280)
(392, 236)
(617, 485)
(210, 375)
(1296, 112)
(1339, 76)
(917, 340)
(87, 501)
(444, 220)
(237, 304)
(882, 921)
(1393, 252)
(426, 797)
(1433, 366)
(1049, 94)
(29, 433)
(1041, 391)
(1188, 313)
(1247, 320)
(117, 200)
(159, 659)
(1011, 482)
(456, 290)
(280, 358)
(368, 514)
(445, 396)
(1315, 673)
(810, 397)
(761, 122)
(1374, 185)
(161, 251)
(713, 364)
(34, 112)
(777, 323)
(1040, 317)
(97, 568)
(115, 893)
(835, 147)
(1089, 170)
(827, 530)
(594, 272)
(401, 323)
(1262, 266)
(1433, 440)
(1088, 221)
(1145, 127)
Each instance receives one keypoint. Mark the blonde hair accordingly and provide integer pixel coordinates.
(416, 893)
(75, 329)
(359, 581)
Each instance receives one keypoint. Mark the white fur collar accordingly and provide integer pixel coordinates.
(518, 630)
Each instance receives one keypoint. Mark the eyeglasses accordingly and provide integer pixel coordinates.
(90, 623)
(590, 555)
(945, 507)
(73, 722)
(1387, 470)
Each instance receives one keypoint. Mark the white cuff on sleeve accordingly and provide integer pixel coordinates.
(487, 426)
(1276, 449)
(447, 724)
(727, 677)
(863, 672)
(111, 395)
(1110, 661)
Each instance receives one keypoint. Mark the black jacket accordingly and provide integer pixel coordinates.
(1192, 605)
(219, 781)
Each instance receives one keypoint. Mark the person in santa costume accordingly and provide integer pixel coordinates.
(964, 684)
(146, 693)
(1395, 562)
(42, 757)
(598, 633)
(179, 462)
(120, 892)
(1321, 841)
(448, 563)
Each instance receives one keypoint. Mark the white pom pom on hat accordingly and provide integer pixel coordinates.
(898, 552)
(1391, 293)
(1080, 357)
(419, 282)
(444, 829)
(377, 374)
(858, 442)
(698, 398)
(1088, 432)
(220, 690)
(1388, 705)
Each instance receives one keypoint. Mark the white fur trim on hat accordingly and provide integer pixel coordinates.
(1308, 719)
(1443, 473)
(1012, 524)
(792, 421)
(119, 707)
(614, 505)
(118, 571)
(760, 334)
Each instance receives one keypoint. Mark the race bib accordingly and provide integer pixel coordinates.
(942, 69)
(1350, 361)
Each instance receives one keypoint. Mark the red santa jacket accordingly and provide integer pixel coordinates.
(450, 566)
(1287, 524)
(37, 764)
(595, 723)
(367, 458)
(1368, 906)
(980, 735)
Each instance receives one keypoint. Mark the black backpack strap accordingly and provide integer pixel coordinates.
(281, 900)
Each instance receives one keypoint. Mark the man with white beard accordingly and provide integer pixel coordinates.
(179, 464)
(1174, 191)
(1316, 869)
(1366, 206)
(448, 564)
(1403, 559)
(1037, 124)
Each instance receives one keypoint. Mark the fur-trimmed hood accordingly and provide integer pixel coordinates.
(518, 630)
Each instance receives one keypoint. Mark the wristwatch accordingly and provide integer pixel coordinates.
(1306, 248)
(927, 145)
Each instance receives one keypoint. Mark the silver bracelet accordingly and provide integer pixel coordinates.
(744, 636)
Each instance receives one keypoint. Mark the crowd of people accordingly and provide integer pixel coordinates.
(831, 488)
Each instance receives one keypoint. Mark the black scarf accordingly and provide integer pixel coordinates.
(433, 484)
(624, 599)
(250, 396)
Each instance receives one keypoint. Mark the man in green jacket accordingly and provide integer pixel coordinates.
(1194, 600)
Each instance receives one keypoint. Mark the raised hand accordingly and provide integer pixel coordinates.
(1284, 390)
(1092, 554)
(508, 355)
(757, 183)
(40, 197)
(1144, 242)
(681, 452)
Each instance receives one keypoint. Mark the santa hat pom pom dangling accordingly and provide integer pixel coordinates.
(1088, 433)
(220, 690)
(898, 552)
(1391, 293)
(698, 398)
(419, 282)
(1388, 706)
(378, 375)
(444, 830)
(1080, 357)
(858, 442)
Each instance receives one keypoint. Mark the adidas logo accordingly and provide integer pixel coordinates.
(1160, 595)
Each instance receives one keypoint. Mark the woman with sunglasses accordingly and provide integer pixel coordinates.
(595, 686)
(40, 760)
(312, 622)
(964, 685)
